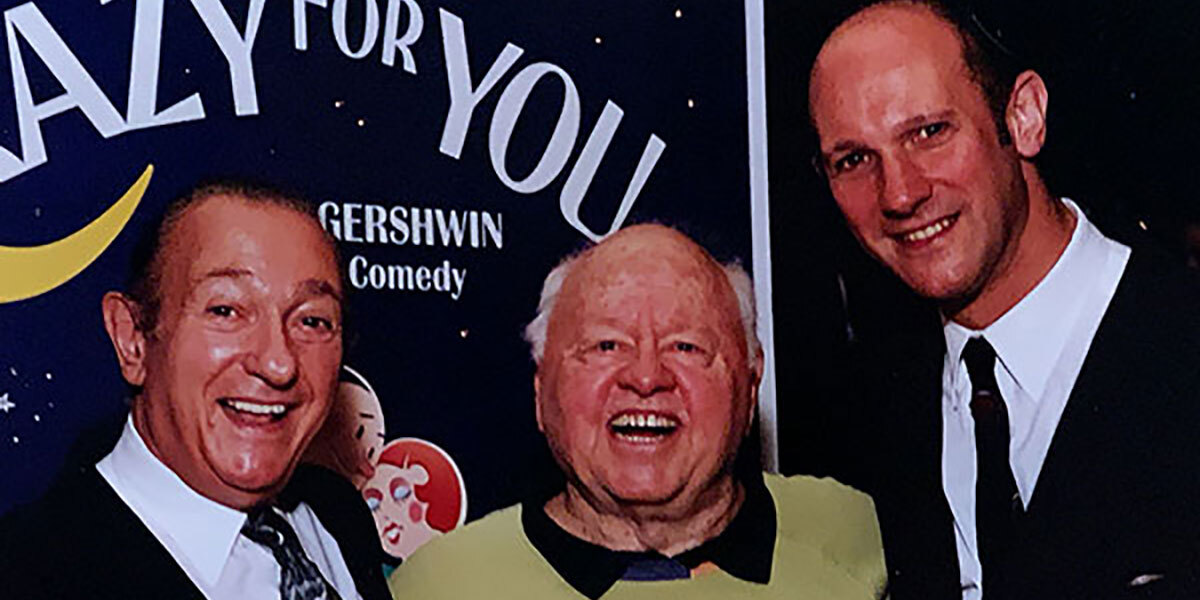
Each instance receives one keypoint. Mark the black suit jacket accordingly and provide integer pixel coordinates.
(82, 541)
(1116, 509)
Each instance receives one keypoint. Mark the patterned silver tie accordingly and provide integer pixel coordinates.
(299, 578)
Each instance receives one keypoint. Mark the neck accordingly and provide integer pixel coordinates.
(638, 528)
(159, 446)
(1039, 245)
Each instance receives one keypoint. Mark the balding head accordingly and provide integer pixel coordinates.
(736, 278)
(646, 389)
(990, 65)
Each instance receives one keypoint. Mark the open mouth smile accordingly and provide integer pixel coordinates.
(927, 233)
(642, 426)
(251, 412)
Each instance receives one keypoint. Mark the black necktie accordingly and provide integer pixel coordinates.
(299, 578)
(997, 503)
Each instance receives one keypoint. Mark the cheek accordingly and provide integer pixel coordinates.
(320, 364)
(195, 364)
(581, 397)
(711, 403)
(859, 207)
(209, 347)
(221, 350)
(416, 512)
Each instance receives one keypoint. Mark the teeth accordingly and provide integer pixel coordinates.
(644, 421)
(257, 409)
(929, 231)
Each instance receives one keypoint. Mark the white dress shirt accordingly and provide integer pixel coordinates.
(1040, 346)
(204, 537)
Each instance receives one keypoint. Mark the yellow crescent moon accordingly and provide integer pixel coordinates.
(34, 270)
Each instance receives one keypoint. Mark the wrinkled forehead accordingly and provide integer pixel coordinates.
(221, 228)
(663, 269)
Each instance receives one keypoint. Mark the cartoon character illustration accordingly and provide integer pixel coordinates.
(352, 437)
(416, 494)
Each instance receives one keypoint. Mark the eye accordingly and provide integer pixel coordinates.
(314, 325)
(850, 162)
(688, 350)
(315, 322)
(373, 498)
(930, 131)
(606, 345)
(221, 310)
(401, 492)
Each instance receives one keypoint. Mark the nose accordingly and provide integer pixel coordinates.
(646, 375)
(904, 187)
(272, 357)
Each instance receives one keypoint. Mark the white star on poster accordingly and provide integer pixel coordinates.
(5, 404)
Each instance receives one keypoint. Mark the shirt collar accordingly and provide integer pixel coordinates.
(745, 549)
(1029, 338)
(202, 530)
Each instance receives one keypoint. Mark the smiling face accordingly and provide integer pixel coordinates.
(645, 389)
(912, 154)
(240, 369)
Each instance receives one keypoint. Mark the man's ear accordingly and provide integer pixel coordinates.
(1025, 116)
(121, 323)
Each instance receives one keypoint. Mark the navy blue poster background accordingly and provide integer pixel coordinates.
(448, 365)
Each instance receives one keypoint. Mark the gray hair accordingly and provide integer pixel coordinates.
(739, 280)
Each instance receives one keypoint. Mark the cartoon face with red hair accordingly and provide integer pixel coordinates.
(416, 494)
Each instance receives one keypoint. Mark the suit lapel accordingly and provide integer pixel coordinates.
(1098, 409)
(134, 562)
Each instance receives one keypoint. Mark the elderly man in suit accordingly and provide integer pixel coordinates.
(647, 371)
(1044, 447)
(230, 336)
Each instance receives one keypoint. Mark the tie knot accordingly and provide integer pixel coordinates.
(266, 527)
(299, 577)
(980, 359)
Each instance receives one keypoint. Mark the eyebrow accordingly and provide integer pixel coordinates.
(903, 127)
(919, 120)
(309, 287)
(317, 287)
(842, 146)
(230, 272)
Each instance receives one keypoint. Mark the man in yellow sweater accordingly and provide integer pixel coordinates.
(647, 379)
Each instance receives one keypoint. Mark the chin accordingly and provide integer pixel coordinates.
(261, 478)
(940, 292)
(943, 284)
(641, 490)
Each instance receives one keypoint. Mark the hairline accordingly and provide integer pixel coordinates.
(982, 71)
(145, 284)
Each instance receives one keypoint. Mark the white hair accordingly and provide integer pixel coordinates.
(739, 280)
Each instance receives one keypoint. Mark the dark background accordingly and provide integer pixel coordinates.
(1123, 128)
